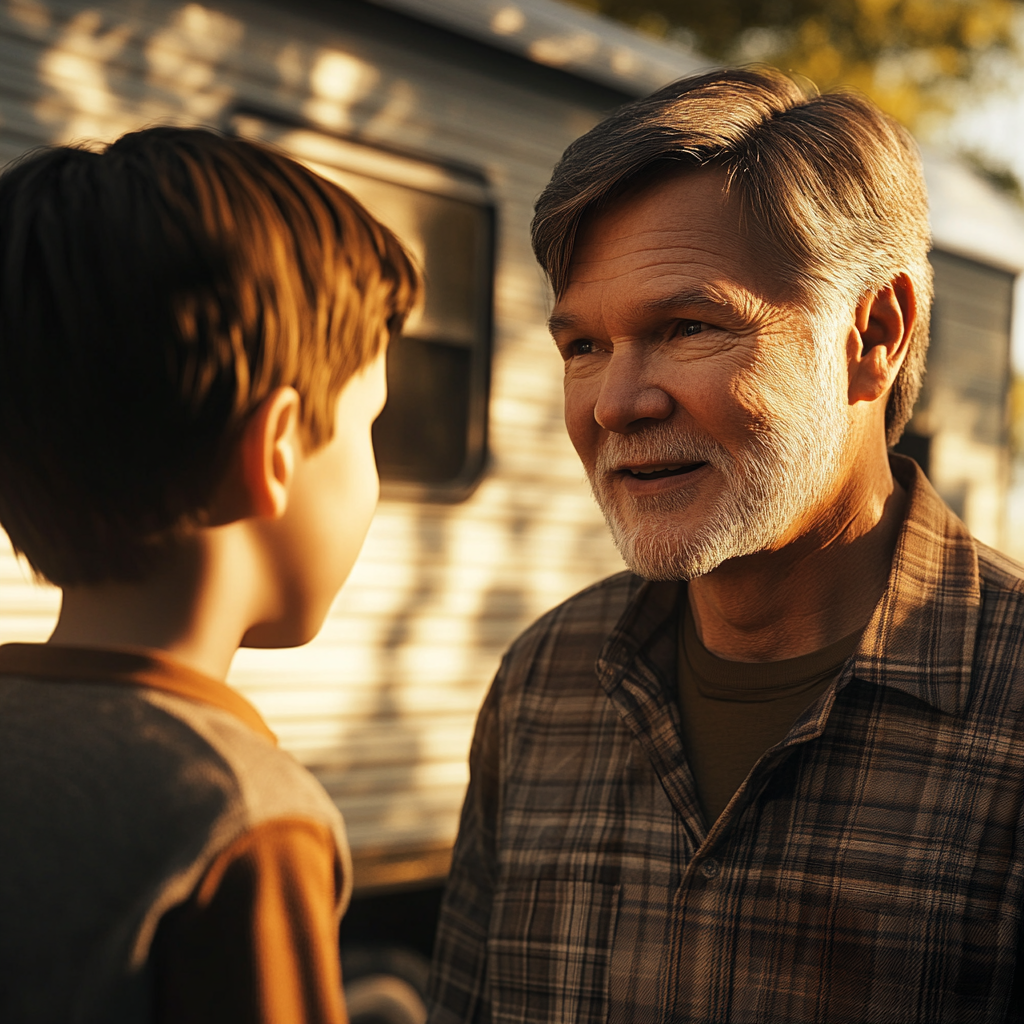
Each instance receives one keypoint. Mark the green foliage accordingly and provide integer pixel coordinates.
(908, 55)
(999, 177)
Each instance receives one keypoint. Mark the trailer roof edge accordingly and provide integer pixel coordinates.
(970, 217)
(556, 35)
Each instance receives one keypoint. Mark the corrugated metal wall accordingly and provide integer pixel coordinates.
(381, 704)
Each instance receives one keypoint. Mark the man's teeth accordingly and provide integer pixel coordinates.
(665, 467)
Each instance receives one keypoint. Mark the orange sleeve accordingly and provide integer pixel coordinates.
(257, 942)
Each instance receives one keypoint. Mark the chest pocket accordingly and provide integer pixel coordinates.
(549, 950)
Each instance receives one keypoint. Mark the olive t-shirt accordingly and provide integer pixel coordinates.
(733, 711)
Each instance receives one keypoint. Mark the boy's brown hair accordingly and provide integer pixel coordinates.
(832, 189)
(151, 296)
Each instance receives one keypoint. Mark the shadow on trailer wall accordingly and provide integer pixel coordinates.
(387, 940)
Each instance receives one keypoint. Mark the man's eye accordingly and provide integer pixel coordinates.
(690, 327)
(581, 347)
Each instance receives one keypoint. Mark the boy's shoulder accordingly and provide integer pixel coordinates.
(139, 752)
(116, 799)
(261, 781)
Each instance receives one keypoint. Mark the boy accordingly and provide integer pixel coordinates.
(192, 338)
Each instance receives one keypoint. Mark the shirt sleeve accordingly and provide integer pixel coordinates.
(257, 942)
(458, 991)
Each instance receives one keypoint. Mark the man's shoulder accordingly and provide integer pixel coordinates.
(594, 610)
(999, 644)
(567, 640)
(999, 574)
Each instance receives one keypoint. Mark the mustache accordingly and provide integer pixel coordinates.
(660, 445)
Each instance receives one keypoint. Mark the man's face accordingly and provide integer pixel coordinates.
(709, 421)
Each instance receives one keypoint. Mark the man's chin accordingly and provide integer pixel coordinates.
(670, 572)
(663, 559)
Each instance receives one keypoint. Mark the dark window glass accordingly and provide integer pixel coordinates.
(422, 434)
(968, 358)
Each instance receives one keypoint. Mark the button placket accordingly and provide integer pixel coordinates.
(710, 868)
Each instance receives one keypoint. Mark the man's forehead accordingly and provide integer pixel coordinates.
(680, 234)
(678, 198)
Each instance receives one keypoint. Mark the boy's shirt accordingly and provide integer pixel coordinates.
(160, 858)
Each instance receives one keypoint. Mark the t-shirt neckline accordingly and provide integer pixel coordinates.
(131, 667)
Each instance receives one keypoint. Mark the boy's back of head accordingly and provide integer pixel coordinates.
(192, 332)
(151, 296)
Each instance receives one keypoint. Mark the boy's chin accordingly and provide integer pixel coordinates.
(289, 633)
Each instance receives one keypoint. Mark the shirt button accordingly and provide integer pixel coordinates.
(710, 868)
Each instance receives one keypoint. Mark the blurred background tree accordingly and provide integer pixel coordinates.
(915, 58)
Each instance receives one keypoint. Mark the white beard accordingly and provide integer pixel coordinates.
(788, 466)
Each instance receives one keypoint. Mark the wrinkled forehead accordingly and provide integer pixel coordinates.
(684, 224)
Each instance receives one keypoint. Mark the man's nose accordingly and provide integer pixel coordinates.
(630, 395)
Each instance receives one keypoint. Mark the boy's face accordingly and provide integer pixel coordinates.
(330, 505)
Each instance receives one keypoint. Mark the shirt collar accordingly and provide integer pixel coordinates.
(128, 667)
(644, 639)
(920, 638)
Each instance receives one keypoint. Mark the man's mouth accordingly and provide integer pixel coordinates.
(656, 471)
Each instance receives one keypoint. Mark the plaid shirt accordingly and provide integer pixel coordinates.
(869, 869)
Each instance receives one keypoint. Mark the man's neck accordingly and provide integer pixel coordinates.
(811, 592)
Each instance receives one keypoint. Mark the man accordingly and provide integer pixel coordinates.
(775, 773)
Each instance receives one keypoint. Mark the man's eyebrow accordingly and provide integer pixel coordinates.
(709, 300)
(562, 322)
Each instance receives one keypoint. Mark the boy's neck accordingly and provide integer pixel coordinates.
(195, 609)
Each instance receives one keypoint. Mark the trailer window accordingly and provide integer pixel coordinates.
(958, 432)
(431, 438)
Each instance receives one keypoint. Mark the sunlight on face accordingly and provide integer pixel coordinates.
(784, 469)
(710, 414)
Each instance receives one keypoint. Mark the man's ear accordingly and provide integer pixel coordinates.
(883, 325)
(259, 475)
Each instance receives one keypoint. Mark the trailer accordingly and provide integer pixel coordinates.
(445, 117)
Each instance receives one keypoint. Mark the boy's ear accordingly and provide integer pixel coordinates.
(268, 451)
(883, 325)
(259, 476)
